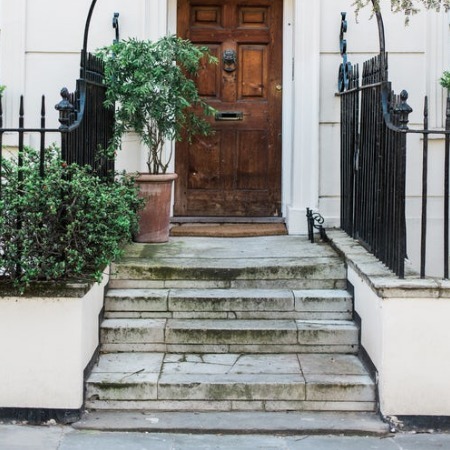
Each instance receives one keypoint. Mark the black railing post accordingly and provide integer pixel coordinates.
(19, 219)
(446, 190)
(423, 232)
(1, 142)
(42, 140)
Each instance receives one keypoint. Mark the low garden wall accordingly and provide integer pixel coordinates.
(404, 330)
(47, 341)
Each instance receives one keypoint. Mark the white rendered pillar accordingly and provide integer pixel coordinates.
(304, 164)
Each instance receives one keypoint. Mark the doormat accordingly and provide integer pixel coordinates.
(228, 229)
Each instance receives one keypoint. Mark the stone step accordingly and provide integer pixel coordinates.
(225, 335)
(228, 303)
(224, 273)
(226, 382)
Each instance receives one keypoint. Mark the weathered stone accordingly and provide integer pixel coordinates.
(160, 405)
(136, 300)
(199, 315)
(137, 315)
(135, 284)
(271, 405)
(122, 386)
(296, 315)
(230, 325)
(322, 300)
(293, 348)
(327, 332)
(231, 300)
(129, 363)
(133, 331)
(331, 364)
(339, 388)
(230, 331)
(231, 387)
(198, 348)
(295, 283)
(133, 347)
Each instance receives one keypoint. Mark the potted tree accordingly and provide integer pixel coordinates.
(152, 87)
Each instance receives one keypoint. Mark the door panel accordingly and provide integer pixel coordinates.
(236, 171)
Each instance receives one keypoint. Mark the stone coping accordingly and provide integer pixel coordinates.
(48, 289)
(381, 279)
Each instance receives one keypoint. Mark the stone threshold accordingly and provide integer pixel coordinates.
(381, 279)
(233, 423)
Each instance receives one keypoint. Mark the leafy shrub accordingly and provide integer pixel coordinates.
(445, 80)
(152, 88)
(68, 223)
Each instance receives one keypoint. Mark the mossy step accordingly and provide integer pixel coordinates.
(227, 300)
(206, 335)
(225, 269)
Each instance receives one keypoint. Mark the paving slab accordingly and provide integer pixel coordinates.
(15, 437)
(20, 437)
(129, 362)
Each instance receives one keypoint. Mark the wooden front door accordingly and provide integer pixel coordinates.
(237, 170)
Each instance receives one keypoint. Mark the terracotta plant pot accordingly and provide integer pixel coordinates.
(154, 219)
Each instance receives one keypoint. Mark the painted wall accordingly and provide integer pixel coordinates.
(407, 340)
(46, 343)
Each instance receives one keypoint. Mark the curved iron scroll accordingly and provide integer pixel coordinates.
(345, 67)
(315, 221)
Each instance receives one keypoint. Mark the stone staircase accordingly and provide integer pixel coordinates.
(249, 324)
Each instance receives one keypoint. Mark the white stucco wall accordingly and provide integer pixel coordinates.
(45, 345)
(407, 340)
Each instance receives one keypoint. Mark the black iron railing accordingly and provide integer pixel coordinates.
(374, 129)
(86, 125)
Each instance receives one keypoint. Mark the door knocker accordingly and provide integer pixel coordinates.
(229, 60)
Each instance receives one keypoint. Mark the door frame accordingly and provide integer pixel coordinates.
(300, 107)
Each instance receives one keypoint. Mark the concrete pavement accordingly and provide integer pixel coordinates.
(55, 437)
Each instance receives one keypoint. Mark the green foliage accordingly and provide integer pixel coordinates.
(408, 7)
(2, 89)
(445, 79)
(151, 85)
(71, 222)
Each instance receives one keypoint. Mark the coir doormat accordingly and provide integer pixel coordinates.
(228, 229)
